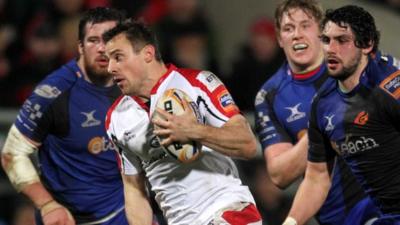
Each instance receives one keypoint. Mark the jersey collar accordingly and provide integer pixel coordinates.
(170, 68)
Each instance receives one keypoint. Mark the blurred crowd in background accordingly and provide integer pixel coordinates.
(37, 36)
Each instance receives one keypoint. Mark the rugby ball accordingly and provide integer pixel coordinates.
(172, 102)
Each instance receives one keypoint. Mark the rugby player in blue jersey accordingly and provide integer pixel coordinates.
(79, 181)
(282, 111)
(356, 116)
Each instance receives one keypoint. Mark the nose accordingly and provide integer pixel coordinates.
(298, 32)
(331, 47)
(101, 47)
(111, 67)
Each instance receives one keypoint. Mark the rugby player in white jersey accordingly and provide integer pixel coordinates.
(205, 191)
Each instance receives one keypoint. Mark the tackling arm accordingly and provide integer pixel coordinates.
(311, 194)
(286, 162)
(137, 206)
(23, 176)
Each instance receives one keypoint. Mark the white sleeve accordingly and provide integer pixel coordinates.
(128, 163)
(218, 105)
(131, 164)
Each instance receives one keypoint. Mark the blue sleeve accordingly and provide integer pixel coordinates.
(268, 128)
(35, 116)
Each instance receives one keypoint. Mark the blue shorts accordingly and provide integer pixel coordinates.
(363, 212)
(119, 219)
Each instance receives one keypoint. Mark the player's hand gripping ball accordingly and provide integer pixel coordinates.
(172, 102)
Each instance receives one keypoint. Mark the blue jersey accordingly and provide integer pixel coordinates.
(282, 112)
(364, 128)
(77, 162)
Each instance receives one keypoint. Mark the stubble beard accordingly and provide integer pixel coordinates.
(347, 71)
(99, 76)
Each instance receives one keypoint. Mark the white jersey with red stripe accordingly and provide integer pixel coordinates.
(187, 193)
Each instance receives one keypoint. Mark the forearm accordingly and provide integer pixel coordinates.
(38, 194)
(234, 139)
(137, 205)
(139, 212)
(310, 196)
(287, 164)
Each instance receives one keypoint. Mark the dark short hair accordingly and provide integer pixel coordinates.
(99, 15)
(311, 7)
(361, 22)
(138, 34)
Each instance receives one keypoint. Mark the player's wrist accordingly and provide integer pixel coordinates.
(290, 221)
(48, 207)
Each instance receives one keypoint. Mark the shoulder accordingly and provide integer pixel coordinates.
(55, 83)
(325, 90)
(126, 108)
(51, 87)
(272, 84)
(382, 72)
(277, 79)
(203, 79)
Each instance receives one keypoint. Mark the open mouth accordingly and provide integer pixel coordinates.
(332, 62)
(117, 80)
(102, 60)
(299, 47)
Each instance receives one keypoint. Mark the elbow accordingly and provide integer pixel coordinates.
(279, 181)
(5, 160)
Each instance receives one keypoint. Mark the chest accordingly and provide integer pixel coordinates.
(85, 115)
(135, 134)
(292, 105)
(355, 124)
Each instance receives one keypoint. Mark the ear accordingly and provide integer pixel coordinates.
(80, 48)
(149, 53)
(368, 50)
(278, 38)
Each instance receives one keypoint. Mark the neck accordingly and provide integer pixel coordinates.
(353, 80)
(154, 73)
(302, 69)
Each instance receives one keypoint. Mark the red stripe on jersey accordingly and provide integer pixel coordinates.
(215, 96)
(170, 68)
(304, 76)
(110, 111)
(141, 103)
(248, 215)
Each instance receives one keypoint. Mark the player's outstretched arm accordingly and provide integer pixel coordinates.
(137, 206)
(286, 162)
(23, 176)
(234, 138)
(311, 194)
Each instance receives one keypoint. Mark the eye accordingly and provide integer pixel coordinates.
(118, 57)
(287, 28)
(325, 40)
(94, 40)
(343, 40)
(306, 25)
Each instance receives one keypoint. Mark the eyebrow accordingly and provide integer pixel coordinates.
(115, 51)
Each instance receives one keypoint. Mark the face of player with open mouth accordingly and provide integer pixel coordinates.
(299, 38)
(126, 65)
(342, 57)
